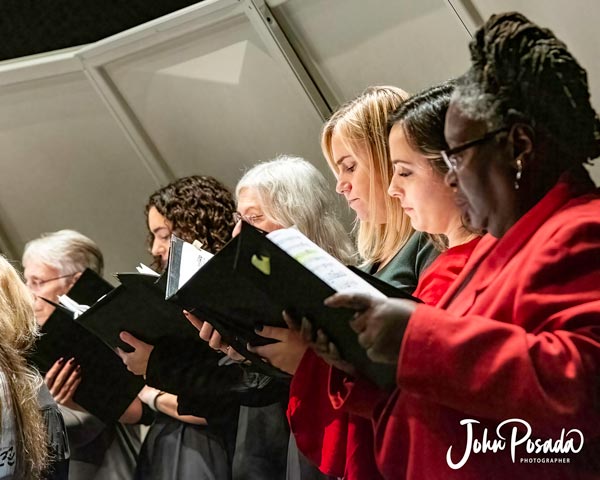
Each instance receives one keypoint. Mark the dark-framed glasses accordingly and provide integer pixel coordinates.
(449, 156)
(251, 219)
(37, 283)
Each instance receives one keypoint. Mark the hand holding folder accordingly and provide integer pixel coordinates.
(252, 280)
(107, 388)
(215, 293)
(138, 307)
(300, 276)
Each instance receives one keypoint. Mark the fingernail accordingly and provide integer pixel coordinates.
(78, 369)
(259, 327)
(72, 360)
(61, 360)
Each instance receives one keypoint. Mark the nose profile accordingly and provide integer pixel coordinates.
(342, 186)
(157, 248)
(394, 190)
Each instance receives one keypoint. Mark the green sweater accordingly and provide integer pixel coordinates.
(403, 271)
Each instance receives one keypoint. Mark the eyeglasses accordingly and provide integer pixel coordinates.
(449, 156)
(251, 219)
(36, 283)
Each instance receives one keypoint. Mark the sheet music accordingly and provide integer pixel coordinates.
(146, 270)
(72, 305)
(192, 260)
(318, 261)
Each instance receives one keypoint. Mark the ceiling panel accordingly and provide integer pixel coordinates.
(216, 101)
(66, 164)
(351, 44)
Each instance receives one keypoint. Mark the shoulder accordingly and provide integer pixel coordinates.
(578, 220)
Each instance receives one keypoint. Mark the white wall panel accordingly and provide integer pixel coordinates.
(66, 164)
(351, 44)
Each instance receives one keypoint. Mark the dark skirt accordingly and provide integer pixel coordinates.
(174, 450)
(262, 442)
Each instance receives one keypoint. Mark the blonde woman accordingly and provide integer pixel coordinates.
(354, 142)
(23, 451)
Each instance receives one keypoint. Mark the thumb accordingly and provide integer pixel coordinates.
(129, 339)
(355, 301)
(272, 332)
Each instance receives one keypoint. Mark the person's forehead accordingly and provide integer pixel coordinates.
(248, 197)
(460, 127)
(38, 269)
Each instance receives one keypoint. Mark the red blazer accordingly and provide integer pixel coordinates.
(518, 338)
(339, 441)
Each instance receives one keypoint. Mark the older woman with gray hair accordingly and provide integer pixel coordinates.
(52, 264)
(284, 192)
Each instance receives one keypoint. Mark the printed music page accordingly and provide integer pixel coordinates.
(321, 263)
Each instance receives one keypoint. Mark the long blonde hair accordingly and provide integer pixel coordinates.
(363, 122)
(18, 331)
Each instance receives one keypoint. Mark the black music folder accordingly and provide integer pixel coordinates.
(137, 306)
(107, 387)
(89, 287)
(301, 278)
(217, 294)
(252, 280)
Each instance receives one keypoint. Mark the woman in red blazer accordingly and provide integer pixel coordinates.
(500, 380)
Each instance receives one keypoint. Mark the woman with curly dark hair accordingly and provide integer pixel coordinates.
(184, 446)
(194, 208)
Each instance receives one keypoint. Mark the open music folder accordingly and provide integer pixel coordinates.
(256, 276)
(209, 287)
(137, 306)
(107, 387)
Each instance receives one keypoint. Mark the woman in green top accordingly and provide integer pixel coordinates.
(354, 142)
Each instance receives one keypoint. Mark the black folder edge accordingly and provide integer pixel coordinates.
(110, 335)
(218, 320)
(381, 374)
(109, 408)
(174, 264)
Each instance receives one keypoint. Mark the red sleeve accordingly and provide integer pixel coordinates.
(355, 395)
(538, 359)
(320, 431)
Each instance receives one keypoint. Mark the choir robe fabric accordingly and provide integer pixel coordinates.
(341, 444)
(515, 337)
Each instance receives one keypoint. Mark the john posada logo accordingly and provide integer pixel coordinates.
(515, 433)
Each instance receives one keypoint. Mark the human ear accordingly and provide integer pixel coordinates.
(74, 279)
(522, 139)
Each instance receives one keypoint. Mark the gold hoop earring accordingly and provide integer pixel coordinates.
(519, 172)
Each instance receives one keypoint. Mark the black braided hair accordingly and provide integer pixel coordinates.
(522, 72)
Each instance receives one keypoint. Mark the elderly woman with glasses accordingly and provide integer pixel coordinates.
(505, 367)
(52, 264)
